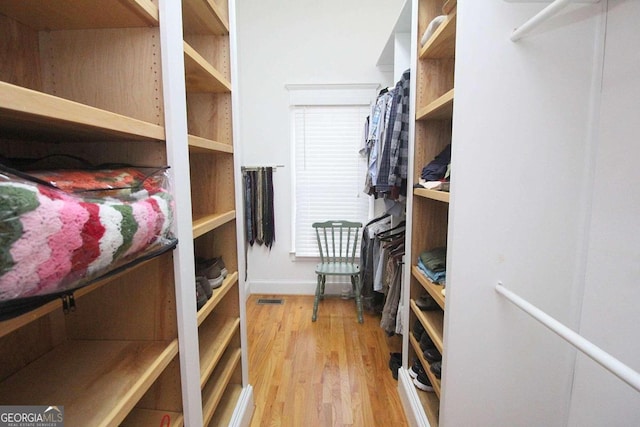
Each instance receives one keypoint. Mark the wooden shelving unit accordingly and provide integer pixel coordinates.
(211, 158)
(86, 78)
(442, 196)
(439, 109)
(428, 210)
(433, 289)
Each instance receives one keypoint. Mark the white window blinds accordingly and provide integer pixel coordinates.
(329, 171)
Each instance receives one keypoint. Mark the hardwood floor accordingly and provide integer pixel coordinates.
(333, 372)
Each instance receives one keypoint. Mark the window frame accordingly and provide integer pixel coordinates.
(312, 95)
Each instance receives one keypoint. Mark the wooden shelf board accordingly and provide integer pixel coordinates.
(226, 406)
(431, 405)
(17, 322)
(201, 76)
(151, 417)
(211, 222)
(213, 391)
(433, 289)
(433, 322)
(98, 382)
(213, 342)
(203, 17)
(203, 145)
(435, 382)
(439, 109)
(217, 296)
(441, 196)
(28, 112)
(81, 14)
(442, 43)
(448, 6)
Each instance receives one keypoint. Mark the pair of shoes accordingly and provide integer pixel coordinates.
(201, 296)
(213, 269)
(426, 341)
(420, 379)
(436, 368)
(432, 355)
(395, 362)
(427, 303)
(417, 329)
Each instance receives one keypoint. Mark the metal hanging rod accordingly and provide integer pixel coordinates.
(600, 356)
(255, 168)
(542, 16)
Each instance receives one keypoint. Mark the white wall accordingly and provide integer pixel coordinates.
(297, 42)
(610, 315)
(524, 152)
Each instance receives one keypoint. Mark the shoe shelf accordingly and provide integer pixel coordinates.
(435, 382)
(103, 379)
(205, 17)
(200, 75)
(226, 406)
(441, 196)
(150, 417)
(433, 289)
(81, 14)
(439, 109)
(229, 283)
(442, 44)
(32, 113)
(214, 340)
(433, 323)
(225, 374)
(431, 405)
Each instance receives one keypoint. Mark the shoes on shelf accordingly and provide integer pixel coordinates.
(416, 369)
(395, 362)
(417, 330)
(432, 355)
(422, 382)
(201, 296)
(427, 303)
(213, 269)
(206, 286)
(426, 341)
(436, 368)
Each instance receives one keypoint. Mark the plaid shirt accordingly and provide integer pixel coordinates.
(399, 147)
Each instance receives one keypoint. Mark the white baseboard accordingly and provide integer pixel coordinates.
(291, 287)
(411, 404)
(244, 408)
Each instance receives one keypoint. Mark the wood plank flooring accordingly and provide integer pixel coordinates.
(333, 372)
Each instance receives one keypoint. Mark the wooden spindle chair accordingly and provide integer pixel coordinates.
(337, 242)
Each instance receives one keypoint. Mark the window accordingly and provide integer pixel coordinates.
(327, 125)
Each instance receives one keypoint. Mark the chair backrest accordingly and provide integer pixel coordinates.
(337, 240)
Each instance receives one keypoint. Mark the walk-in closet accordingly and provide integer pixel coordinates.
(319, 213)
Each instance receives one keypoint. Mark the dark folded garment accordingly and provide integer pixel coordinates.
(435, 259)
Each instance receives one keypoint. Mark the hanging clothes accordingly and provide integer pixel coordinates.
(387, 141)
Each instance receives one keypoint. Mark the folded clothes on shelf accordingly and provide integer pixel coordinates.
(431, 28)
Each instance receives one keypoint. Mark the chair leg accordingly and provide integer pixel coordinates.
(355, 283)
(324, 279)
(315, 302)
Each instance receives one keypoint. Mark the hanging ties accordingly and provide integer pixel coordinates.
(259, 206)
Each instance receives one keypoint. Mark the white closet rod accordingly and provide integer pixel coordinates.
(542, 16)
(601, 357)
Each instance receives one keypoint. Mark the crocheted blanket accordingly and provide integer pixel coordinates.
(63, 229)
